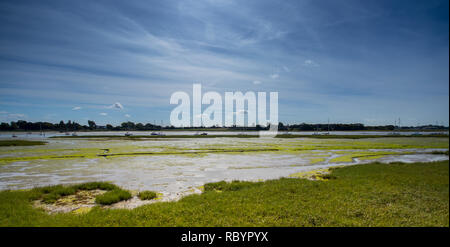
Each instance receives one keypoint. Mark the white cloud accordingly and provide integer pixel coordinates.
(116, 105)
(5, 116)
(274, 76)
(76, 108)
(16, 115)
(310, 63)
(127, 115)
(256, 82)
(104, 114)
(286, 69)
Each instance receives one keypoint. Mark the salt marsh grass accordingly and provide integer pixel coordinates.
(376, 194)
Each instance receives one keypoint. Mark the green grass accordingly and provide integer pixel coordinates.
(51, 194)
(5, 143)
(113, 196)
(374, 194)
(147, 195)
(96, 185)
(57, 192)
(224, 186)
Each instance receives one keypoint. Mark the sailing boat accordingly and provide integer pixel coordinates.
(395, 127)
(328, 132)
(316, 131)
(417, 133)
(28, 132)
(128, 133)
(154, 125)
(160, 133)
(200, 134)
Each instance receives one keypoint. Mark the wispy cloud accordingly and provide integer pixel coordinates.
(310, 63)
(116, 105)
(104, 114)
(76, 108)
(16, 115)
(5, 116)
(96, 53)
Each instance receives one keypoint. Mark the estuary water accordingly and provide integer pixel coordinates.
(38, 135)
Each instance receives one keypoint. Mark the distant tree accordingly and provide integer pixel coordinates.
(4, 126)
(149, 126)
(92, 125)
(77, 126)
(62, 125)
(128, 125)
(21, 124)
(281, 126)
(139, 126)
(14, 126)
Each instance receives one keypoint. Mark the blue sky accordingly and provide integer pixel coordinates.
(113, 61)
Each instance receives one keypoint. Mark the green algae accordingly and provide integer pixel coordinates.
(306, 146)
(7, 143)
(364, 156)
(248, 167)
(43, 157)
(82, 210)
(316, 160)
(372, 157)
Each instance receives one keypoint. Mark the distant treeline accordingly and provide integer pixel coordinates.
(73, 126)
(22, 125)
